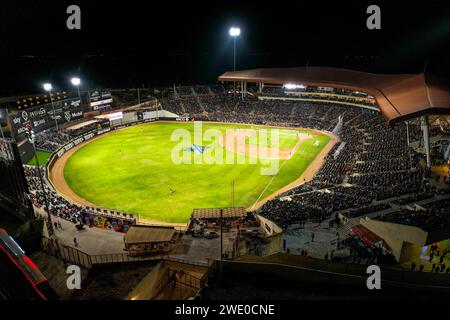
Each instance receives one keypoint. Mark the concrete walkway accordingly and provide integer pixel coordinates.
(92, 241)
(300, 239)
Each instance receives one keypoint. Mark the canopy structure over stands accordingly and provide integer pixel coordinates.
(400, 97)
(81, 125)
(149, 234)
(214, 213)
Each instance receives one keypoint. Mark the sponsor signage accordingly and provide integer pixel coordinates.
(43, 117)
(115, 116)
(79, 140)
(100, 99)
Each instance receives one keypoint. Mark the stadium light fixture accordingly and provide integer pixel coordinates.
(235, 32)
(48, 87)
(292, 86)
(75, 81)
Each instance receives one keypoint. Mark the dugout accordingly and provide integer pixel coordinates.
(82, 127)
(232, 217)
(143, 240)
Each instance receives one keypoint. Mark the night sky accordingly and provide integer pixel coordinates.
(158, 43)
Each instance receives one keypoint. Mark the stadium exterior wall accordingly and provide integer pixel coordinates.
(337, 274)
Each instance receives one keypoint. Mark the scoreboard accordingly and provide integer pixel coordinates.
(100, 99)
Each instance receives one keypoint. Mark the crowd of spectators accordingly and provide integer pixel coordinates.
(58, 206)
(361, 252)
(432, 216)
(51, 139)
(341, 95)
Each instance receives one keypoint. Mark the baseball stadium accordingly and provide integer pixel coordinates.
(272, 165)
(283, 180)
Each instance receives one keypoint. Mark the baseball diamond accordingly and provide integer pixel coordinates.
(132, 170)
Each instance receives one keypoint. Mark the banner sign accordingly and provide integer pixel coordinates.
(43, 117)
(115, 116)
(100, 99)
(107, 222)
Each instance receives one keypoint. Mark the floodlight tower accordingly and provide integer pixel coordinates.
(234, 32)
(76, 82)
(48, 88)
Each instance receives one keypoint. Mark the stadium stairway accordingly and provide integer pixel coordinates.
(198, 100)
(54, 270)
(345, 230)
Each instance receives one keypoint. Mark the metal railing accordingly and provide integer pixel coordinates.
(66, 253)
(81, 258)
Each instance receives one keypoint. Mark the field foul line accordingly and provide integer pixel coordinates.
(268, 184)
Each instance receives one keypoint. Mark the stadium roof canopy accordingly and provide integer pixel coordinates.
(149, 234)
(214, 213)
(400, 97)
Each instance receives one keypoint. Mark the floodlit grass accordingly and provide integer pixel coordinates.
(42, 158)
(132, 170)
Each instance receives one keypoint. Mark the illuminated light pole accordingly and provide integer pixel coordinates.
(48, 88)
(234, 32)
(76, 82)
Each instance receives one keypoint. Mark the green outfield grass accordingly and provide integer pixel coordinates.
(42, 158)
(132, 170)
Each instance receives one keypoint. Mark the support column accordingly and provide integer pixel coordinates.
(426, 139)
(245, 89)
(407, 133)
(447, 152)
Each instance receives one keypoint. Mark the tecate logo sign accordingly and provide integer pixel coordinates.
(25, 115)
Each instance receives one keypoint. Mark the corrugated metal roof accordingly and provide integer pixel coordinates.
(214, 213)
(147, 234)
